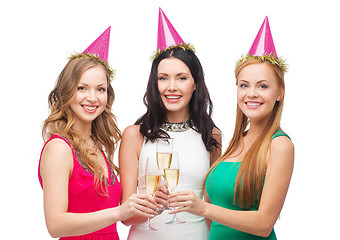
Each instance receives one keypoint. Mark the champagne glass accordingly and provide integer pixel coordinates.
(171, 175)
(152, 178)
(164, 150)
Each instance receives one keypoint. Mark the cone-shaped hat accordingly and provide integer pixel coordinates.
(263, 44)
(167, 34)
(100, 46)
(263, 48)
(98, 50)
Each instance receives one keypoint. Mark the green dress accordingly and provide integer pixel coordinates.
(220, 187)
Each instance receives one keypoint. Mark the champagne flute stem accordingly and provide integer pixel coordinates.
(174, 219)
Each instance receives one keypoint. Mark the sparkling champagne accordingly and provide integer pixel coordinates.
(163, 160)
(151, 182)
(171, 177)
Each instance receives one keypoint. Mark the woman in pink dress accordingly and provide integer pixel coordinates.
(76, 169)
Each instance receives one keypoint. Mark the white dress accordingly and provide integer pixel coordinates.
(194, 164)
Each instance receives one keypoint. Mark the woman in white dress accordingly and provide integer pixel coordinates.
(178, 106)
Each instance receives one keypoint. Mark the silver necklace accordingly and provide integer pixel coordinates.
(176, 127)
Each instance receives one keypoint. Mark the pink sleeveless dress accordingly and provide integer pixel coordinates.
(83, 198)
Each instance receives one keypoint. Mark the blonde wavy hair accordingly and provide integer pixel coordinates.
(104, 130)
(249, 180)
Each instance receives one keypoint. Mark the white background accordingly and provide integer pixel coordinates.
(36, 37)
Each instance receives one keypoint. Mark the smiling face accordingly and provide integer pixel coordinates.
(91, 95)
(257, 91)
(176, 86)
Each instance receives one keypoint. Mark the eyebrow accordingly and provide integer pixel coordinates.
(178, 74)
(99, 85)
(256, 82)
(162, 74)
(184, 73)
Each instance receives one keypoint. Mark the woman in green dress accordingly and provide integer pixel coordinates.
(246, 188)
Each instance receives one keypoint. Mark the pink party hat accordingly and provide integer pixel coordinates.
(263, 48)
(98, 50)
(100, 46)
(263, 44)
(167, 34)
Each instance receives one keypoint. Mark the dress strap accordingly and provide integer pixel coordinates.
(78, 160)
(280, 133)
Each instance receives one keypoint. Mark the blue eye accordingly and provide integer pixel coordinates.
(242, 85)
(263, 86)
(182, 78)
(162, 78)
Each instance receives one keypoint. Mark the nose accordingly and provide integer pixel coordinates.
(252, 93)
(172, 85)
(91, 96)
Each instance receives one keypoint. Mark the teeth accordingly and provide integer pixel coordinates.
(89, 108)
(253, 104)
(173, 97)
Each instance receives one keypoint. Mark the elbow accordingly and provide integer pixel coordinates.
(262, 225)
(264, 230)
(53, 232)
(265, 233)
(54, 235)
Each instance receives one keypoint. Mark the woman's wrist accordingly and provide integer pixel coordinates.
(205, 209)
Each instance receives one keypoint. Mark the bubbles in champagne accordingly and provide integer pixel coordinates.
(163, 160)
(151, 182)
(171, 177)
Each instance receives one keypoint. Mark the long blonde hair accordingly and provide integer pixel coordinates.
(104, 130)
(249, 180)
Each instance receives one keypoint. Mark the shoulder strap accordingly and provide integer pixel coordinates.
(65, 140)
(280, 133)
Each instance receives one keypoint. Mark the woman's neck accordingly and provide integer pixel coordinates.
(257, 127)
(176, 117)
